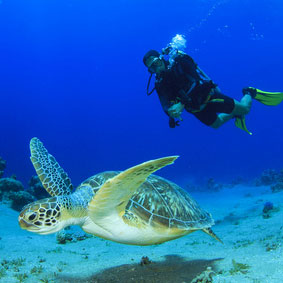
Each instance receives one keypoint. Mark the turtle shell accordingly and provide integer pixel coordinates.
(159, 202)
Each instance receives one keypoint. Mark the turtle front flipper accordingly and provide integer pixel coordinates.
(52, 176)
(114, 195)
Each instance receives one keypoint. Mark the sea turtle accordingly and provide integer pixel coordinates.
(130, 207)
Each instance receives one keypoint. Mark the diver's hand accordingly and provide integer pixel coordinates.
(173, 123)
(176, 110)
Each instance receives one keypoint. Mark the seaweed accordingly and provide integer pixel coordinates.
(36, 269)
(269, 247)
(239, 267)
(44, 280)
(18, 262)
(5, 263)
(242, 243)
(60, 266)
(21, 277)
(41, 259)
(15, 263)
(56, 250)
(2, 272)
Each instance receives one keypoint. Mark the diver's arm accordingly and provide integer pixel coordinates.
(166, 105)
(164, 100)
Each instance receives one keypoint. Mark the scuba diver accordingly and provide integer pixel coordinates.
(181, 84)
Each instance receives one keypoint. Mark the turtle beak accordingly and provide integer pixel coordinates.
(25, 225)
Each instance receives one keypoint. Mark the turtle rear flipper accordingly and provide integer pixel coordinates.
(209, 232)
(114, 195)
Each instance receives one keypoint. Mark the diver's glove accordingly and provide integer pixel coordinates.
(173, 123)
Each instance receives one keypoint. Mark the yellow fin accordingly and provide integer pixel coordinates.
(240, 122)
(269, 98)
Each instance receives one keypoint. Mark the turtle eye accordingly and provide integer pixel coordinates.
(32, 217)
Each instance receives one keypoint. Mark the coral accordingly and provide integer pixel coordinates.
(12, 191)
(271, 178)
(236, 181)
(13, 176)
(36, 189)
(278, 187)
(268, 177)
(10, 185)
(204, 277)
(267, 207)
(2, 166)
(280, 176)
(20, 199)
(145, 260)
(63, 237)
(211, 185)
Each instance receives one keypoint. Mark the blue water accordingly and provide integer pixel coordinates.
(71, 74)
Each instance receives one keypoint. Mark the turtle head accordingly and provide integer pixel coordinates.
(42, 216)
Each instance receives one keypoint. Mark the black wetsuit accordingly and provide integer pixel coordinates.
(183, 83)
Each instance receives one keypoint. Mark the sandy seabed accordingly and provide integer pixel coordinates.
(252, 249)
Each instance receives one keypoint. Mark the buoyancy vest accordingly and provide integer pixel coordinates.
(182, 82)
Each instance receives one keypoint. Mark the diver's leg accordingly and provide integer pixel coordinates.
(241, 108)
(221, 119)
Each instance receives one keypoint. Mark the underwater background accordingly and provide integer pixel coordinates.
(72, 75)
